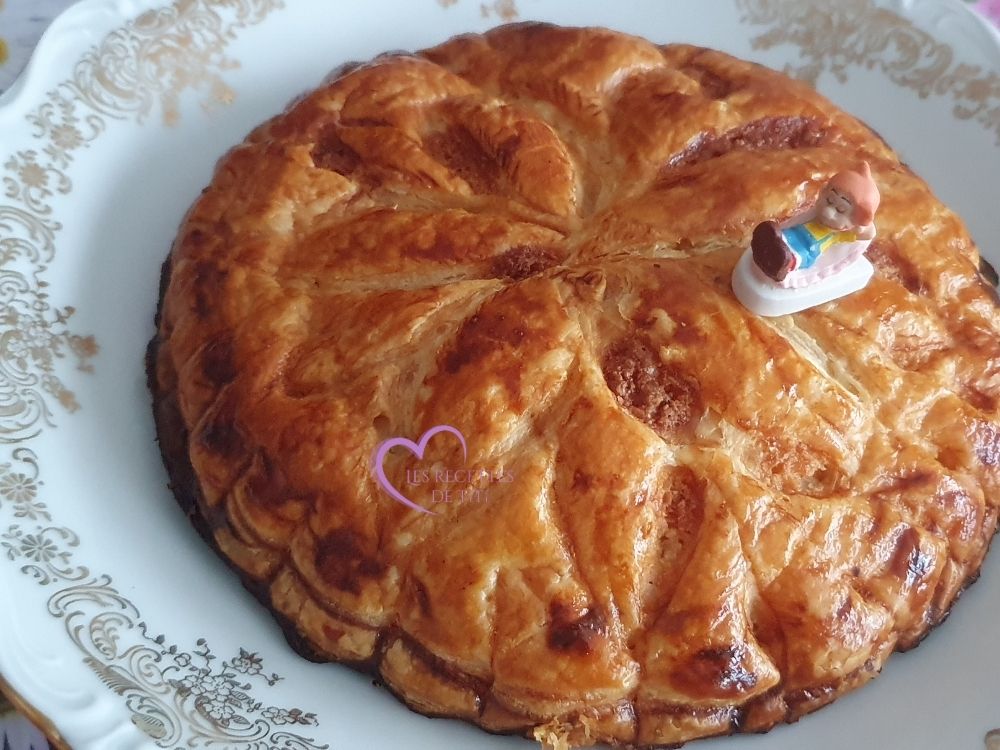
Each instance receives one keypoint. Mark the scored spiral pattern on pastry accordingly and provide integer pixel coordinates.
(716, 521)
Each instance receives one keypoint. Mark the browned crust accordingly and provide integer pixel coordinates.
(185, 489)
(666, 398)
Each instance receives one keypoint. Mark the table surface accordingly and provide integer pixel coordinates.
(21, 24)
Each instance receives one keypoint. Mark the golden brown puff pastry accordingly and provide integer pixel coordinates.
(715, 522)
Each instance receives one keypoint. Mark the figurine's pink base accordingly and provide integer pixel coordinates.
(764, 297)
(833, 261)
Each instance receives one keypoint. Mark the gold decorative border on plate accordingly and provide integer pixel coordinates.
(505, 10)
(177, 697)
(833, 36)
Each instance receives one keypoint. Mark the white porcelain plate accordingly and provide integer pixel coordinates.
(117, 623)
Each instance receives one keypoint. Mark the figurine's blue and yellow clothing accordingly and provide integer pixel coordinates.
(808, 241)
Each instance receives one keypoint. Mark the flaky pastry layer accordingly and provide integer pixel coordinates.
(715, 522)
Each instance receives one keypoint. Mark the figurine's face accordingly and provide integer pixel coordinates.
(836, 209)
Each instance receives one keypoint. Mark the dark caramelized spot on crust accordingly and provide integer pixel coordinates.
(330, 152)
(209, 280)
(341, 561)
(575, 632)
(219, 433)
(458, 150)
(661, 395)
(218, 362)
(913, 480)
(481, 334)
(986, 437)
(890, 264)
(908, 561)
(423, 599)
(522, 262)
(582, 481)
(196, 238)
(719, 668)
(768, 133)
(266, 483)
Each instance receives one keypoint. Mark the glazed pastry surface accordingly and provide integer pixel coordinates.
(714, 522)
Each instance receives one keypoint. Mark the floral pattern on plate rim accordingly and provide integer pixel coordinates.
(832, 37)
(176, 696)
